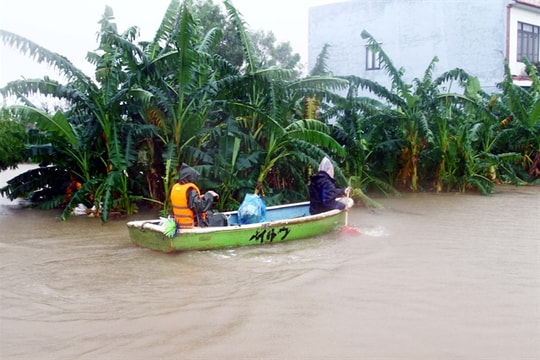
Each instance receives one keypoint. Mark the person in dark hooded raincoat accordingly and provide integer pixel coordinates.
(190, 207)
(324, 194)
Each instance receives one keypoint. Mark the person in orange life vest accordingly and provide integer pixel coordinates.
(190, 207)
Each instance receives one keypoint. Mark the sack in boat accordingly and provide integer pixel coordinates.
(252, 210)
(216, 219)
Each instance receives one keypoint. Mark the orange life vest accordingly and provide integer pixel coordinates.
(183, 215)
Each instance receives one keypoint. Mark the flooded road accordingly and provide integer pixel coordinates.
(451, 276)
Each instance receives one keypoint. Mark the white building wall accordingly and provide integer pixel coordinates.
(467, 34)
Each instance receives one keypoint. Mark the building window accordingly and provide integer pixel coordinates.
(372, 59)
(528, 42)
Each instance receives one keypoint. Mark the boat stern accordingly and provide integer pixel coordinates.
(149, 234)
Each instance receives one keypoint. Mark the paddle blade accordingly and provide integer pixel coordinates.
(348, 230)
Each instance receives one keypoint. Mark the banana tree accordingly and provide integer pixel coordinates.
(65, 148)
(429, 120)
(96, 109)
(518, 114)
(269, 106)
(408, 108)
(177, 91)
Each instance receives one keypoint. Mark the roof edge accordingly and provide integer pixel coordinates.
(532, 3)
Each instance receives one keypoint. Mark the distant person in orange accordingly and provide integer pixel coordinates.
(190, 207)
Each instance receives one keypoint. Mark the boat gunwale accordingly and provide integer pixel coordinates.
(154, 224)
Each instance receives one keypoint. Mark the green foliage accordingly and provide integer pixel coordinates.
(208, 92)
(230, 41)
(416, 136)
(169, 227)
(13, 138)
(153, 106)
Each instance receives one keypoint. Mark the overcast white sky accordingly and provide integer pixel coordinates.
(69, 27)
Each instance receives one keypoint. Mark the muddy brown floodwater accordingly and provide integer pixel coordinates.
(448, 276)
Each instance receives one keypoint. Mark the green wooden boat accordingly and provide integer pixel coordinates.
(283, 223)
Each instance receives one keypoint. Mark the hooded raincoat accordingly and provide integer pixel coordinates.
(323, 190)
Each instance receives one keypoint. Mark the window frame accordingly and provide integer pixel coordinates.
(373, 62)
(528, 42)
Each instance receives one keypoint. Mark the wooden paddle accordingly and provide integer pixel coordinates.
(346, 229)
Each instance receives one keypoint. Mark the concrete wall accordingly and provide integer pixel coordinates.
(467, 34)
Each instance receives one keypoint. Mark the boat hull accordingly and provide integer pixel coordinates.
(285, 223)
